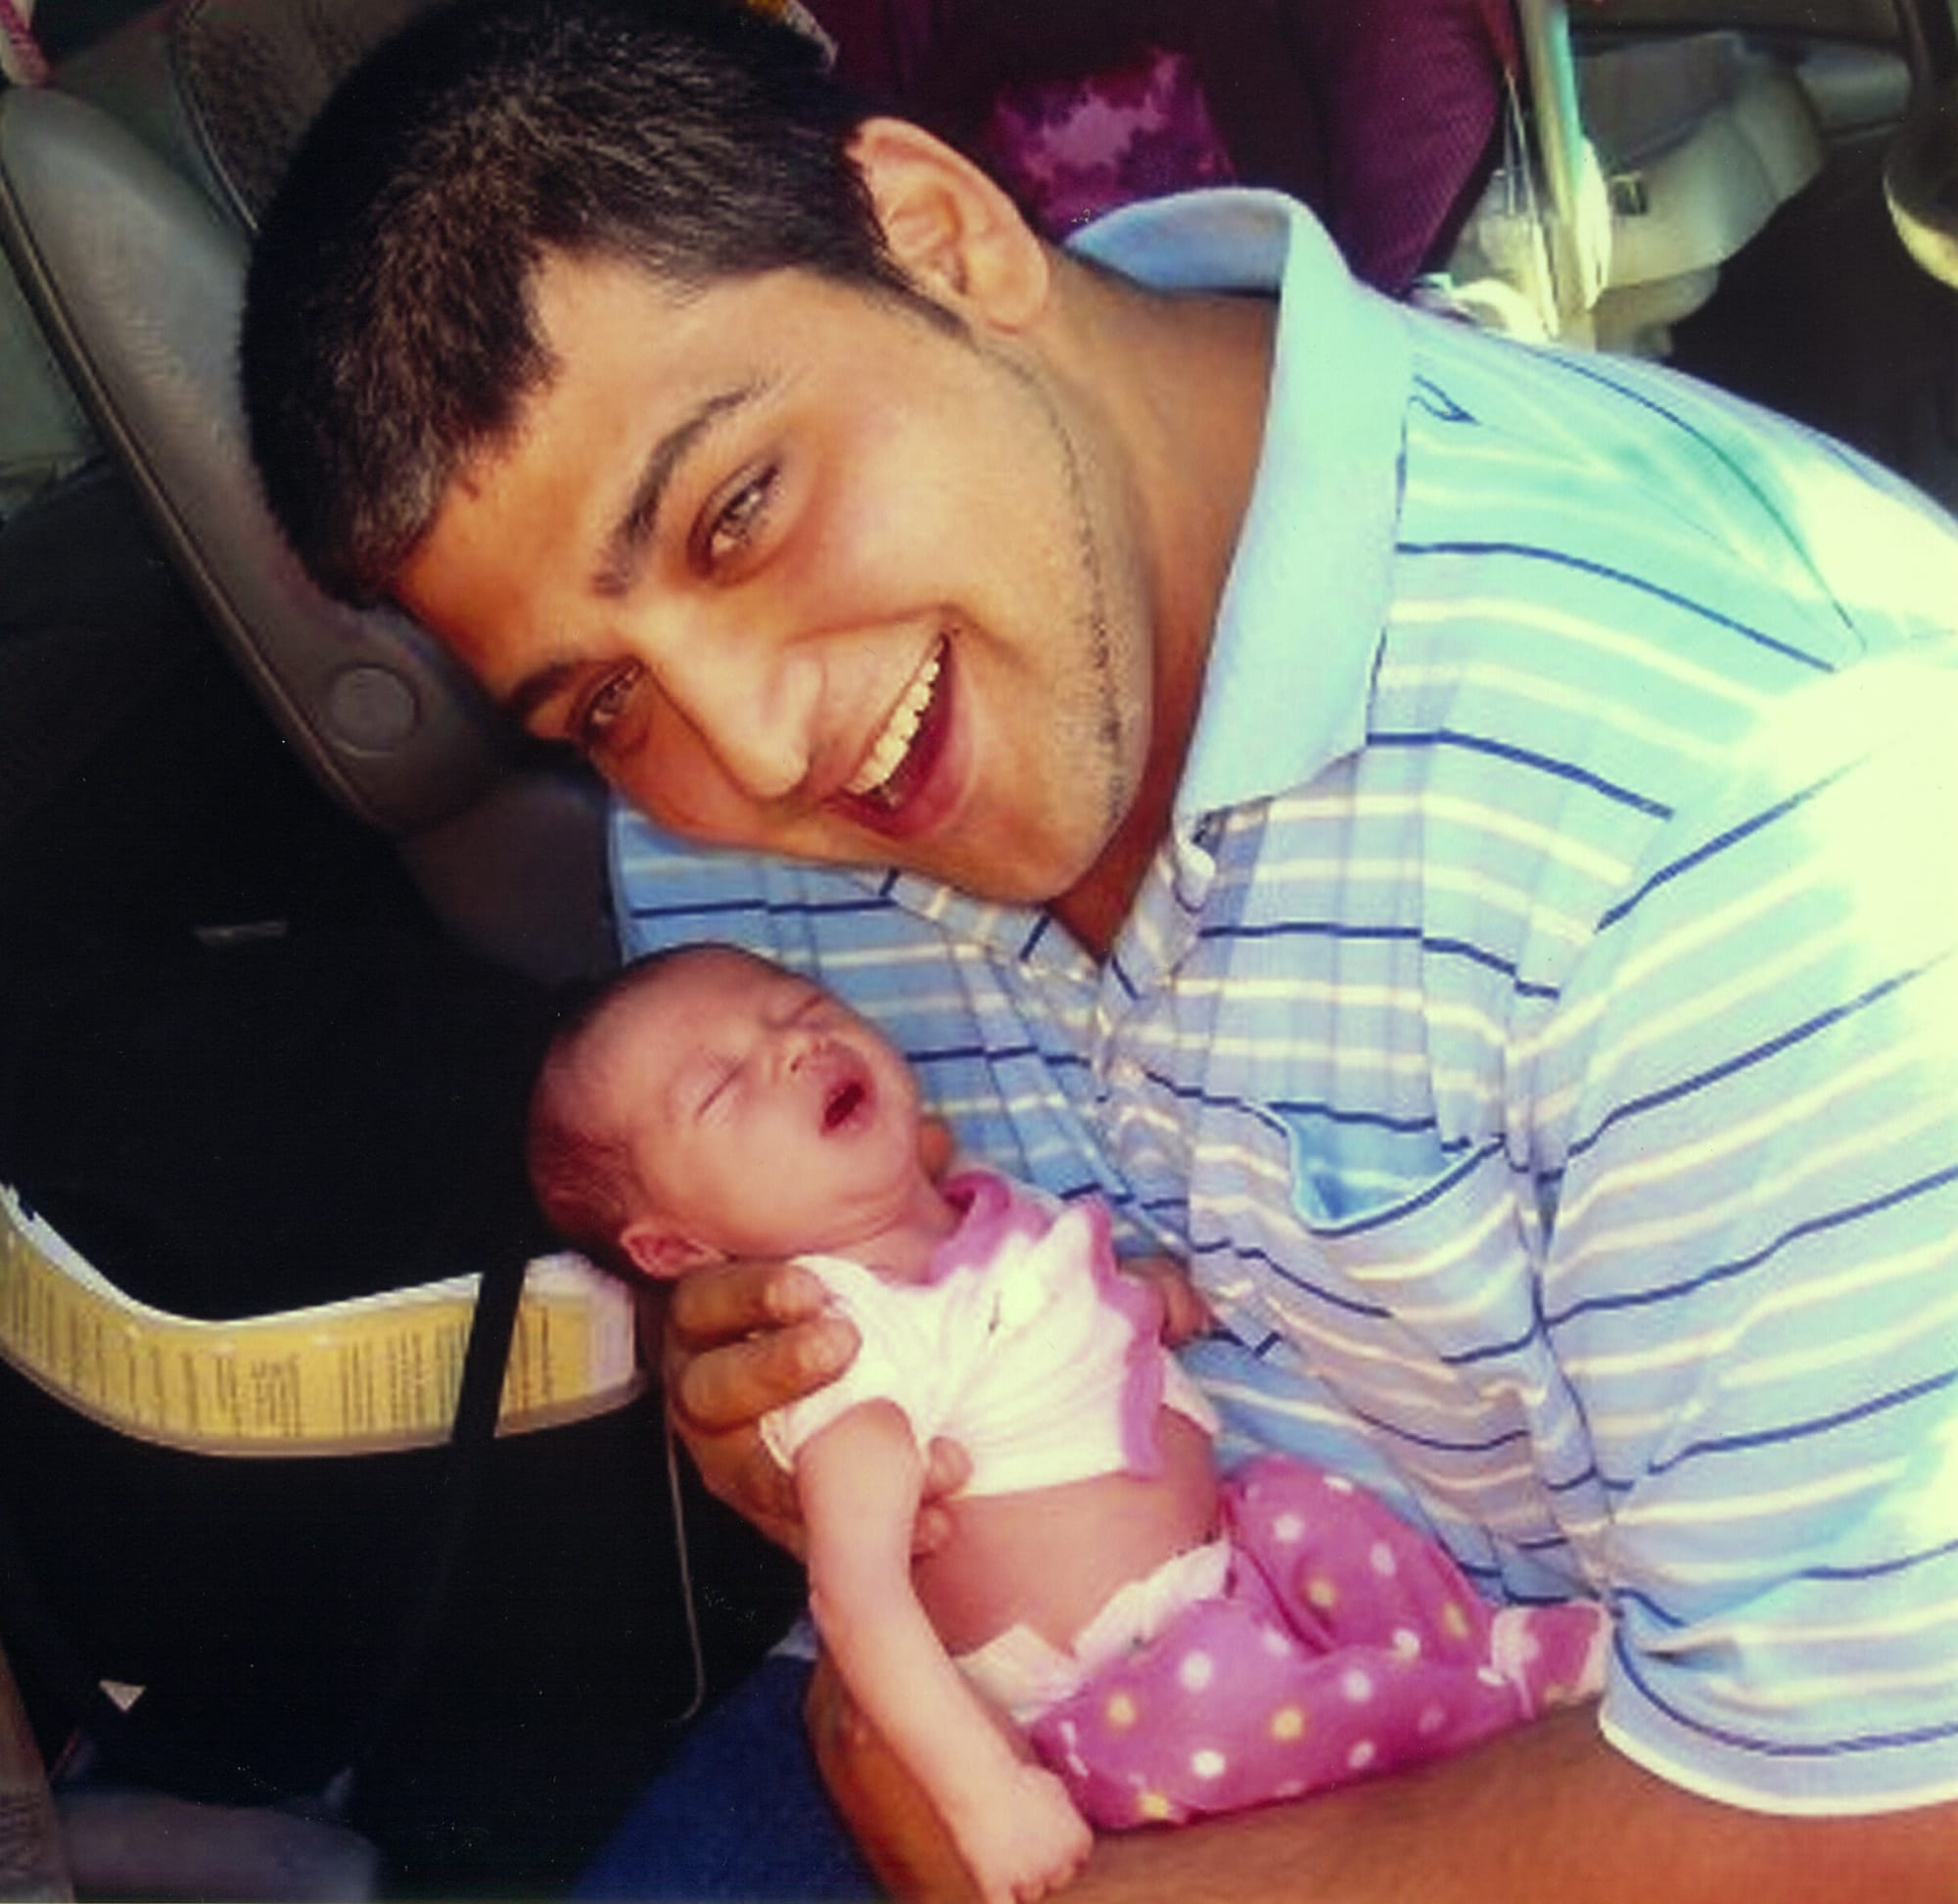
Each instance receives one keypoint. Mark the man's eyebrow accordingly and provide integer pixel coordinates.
(625, 546)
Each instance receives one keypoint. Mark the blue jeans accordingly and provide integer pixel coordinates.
(739, 1814)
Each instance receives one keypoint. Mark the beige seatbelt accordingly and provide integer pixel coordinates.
(377, 1373)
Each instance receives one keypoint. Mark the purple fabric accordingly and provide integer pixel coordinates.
(1070, 150)
(1343, 1646)
(1381, 114)
(1412, 90)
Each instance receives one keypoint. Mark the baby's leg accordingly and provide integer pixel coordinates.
(1226, 1709)
(1343, 1569)
(1346, 1570)
(1344, 1644)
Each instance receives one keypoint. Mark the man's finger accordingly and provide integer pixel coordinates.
(748, 1479)
(726, 1301)
(946, 1469)
(733, 1386)
(930, 1531)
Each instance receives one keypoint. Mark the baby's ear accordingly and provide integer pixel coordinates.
(659, 1250)
(935, 1146)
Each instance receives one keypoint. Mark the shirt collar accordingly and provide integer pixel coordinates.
(1305, 601)
(1306, 597)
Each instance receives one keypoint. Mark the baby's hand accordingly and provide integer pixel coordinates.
(1022, 1839)
(1184, 1314)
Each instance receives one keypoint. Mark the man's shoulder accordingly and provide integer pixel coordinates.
(1643, 491)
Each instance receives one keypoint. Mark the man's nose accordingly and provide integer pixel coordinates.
(752, 700)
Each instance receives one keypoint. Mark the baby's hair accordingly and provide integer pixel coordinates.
(583, 1175)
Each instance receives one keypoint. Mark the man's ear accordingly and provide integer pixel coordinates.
(953, 232)
(658, 1250)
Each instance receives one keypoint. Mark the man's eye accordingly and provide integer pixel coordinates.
(604, 709)
(737, 522)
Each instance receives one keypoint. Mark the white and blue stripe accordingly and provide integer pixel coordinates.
(1541, 1032)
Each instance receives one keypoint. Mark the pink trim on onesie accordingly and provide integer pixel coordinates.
(999, 1212)
(990, 1216)
(1023, 1339)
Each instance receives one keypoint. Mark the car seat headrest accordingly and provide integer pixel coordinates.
(128, 189)
(255, 75)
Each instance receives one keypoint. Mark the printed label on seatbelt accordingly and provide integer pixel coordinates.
(377, 1373)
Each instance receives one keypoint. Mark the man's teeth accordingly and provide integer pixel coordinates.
(895, 742)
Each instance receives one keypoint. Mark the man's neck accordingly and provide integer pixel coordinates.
(1096, 908)
(1191, 412)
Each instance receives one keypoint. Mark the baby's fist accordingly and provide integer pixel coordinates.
(1184, 1313)
(1028, 1842)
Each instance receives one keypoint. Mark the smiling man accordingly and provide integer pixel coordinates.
(1455, 842)
(757, 593)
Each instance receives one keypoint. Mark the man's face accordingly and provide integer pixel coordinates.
(801, 571)
(763, 1116)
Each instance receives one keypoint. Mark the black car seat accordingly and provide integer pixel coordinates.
(274, 1607)
(128, 191)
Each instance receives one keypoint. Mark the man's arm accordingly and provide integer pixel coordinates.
(1548, 1814)
(1014, 1825)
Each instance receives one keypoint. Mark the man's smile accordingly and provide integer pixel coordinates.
(893, 744)
(885, 792)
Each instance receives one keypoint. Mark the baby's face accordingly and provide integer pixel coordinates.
(764, 1116)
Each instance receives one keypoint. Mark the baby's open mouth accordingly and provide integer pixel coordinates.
(842, 1104)
(878, 776)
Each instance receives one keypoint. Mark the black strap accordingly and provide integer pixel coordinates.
(478, 1406)
(150, 1754)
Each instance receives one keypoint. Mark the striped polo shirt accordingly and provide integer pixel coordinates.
(1540, 1028)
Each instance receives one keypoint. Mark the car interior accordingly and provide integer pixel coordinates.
(288, 912)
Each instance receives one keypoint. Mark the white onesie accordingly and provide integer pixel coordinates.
(1024, 1343)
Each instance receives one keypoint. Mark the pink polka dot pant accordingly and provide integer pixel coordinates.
(1344, 1644)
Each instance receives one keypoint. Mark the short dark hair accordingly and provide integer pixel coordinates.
(389, 332)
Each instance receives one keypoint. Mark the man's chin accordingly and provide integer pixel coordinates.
(1005, 873)
(1013, 877)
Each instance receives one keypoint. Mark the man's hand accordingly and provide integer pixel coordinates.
(742, 1338)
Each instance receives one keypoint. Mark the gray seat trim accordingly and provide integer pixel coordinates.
(137, 285)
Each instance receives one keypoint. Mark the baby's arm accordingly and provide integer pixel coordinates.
(1014, 1823)
(1184, 1313)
